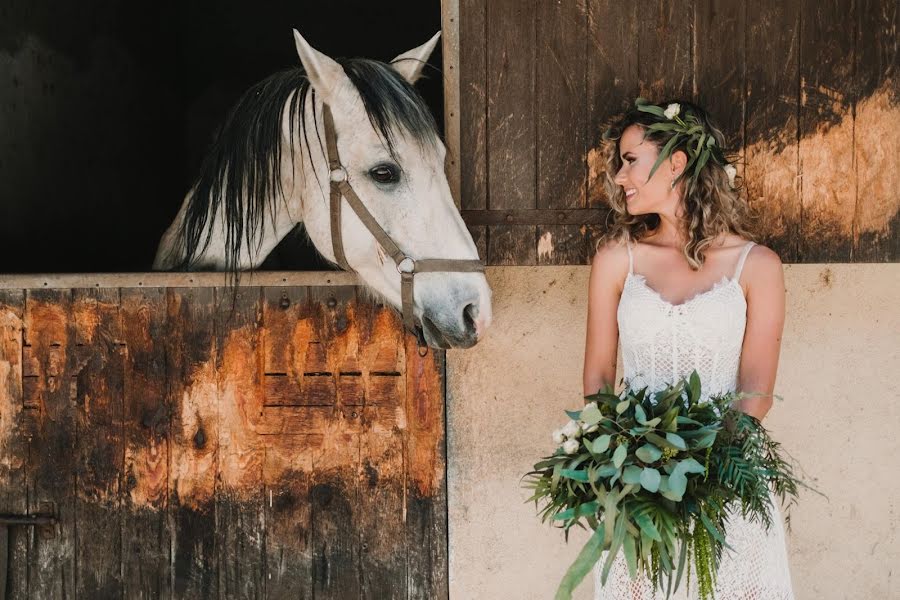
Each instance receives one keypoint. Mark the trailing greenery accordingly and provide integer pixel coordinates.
(653, 475)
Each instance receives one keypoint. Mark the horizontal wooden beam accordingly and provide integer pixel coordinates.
(571, 216)
(186, 280)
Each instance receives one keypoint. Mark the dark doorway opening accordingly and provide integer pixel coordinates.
(107, 110)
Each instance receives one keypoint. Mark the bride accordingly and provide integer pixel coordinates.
(678, 281)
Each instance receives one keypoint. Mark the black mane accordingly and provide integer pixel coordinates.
(241, 173)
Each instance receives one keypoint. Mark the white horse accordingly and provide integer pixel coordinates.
(267, 171)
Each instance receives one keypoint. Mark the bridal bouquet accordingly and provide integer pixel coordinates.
(645, 471)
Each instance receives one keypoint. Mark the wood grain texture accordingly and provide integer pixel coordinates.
(13, 441)
(98, 381)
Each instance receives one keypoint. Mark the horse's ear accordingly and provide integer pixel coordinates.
(410, 64)
(324, 73)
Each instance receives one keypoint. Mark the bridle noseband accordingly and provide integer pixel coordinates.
(406, 265)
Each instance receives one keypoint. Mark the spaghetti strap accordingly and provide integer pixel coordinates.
(630, 257)
(740, 265)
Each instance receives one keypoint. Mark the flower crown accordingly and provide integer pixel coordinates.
(699, 144)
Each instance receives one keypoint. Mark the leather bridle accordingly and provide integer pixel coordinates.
(406, 265)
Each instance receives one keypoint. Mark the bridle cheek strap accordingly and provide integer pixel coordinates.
(406, 265)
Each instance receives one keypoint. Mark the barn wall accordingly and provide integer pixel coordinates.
(807, 93)
(838, 377)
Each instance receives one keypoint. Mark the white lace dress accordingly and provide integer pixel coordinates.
(662, 342)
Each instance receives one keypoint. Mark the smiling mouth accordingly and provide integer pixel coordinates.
(630, 193)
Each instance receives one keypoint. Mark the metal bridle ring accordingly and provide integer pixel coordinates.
(407, 265)
(338, 175)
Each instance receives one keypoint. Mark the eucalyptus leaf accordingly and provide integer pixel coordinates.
(648, 453)
(622, 406)
(640, 415)
(650, 479)
(677, 482)
(632, 474)
(579, 475)
(620, 454)
(676, 440)
(591, 414)
(601, 444)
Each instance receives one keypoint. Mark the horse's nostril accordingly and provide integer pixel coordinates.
(470, 314)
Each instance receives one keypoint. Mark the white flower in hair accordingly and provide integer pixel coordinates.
(572, 429)
(571, 447)
(731, 172)
(558, 437)
(672, 110)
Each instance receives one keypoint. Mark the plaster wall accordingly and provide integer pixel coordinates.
(838, 374)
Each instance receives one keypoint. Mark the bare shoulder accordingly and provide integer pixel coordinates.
(763, 270)
(610, 263)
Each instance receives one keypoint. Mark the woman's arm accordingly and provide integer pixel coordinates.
(762, 336)
(608, 269)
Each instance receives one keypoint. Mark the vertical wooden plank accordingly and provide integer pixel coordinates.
(450, 54)
(771, 150)
(561, 90)
(286, 338)
(828, 185)
(13, 441)
(381, 477)
(239, 492)
(146, 540)
(511, 122)
(288, 474)
(876, 229)
(98, 393)
(612, 86)
(473, 139)
(194, 441)
(51, 455)
(719, 28)
(334, 495)
(473, 104)
(426, 462)
(664, 44)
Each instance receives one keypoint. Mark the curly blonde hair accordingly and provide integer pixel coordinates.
(711, 206)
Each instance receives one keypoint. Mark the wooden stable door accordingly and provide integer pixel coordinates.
(284, 442)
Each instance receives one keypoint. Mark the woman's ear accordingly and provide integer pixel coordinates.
(679, 160)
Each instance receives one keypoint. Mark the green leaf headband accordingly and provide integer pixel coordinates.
(700, 144)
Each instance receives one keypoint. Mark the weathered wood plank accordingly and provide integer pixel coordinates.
(473, 148)
(426, 489)
(334, 491)
(664, 46)
(194, 441)
(98, 381)
(289, 554)
(828, 184)
(240, 512)
(719, 28)
(771, 169)
(13, 441)
(147, 418)
(562, 126)
(876, 220)
(511, 126)
(381, 475)
(49, 338)
(612, 79)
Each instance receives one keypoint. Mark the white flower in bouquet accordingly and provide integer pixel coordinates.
(572, 429)
(731, 172)
(672, 110)
(571, 446)
(558, 437)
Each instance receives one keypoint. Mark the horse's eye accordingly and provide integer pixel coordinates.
(385, 174)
